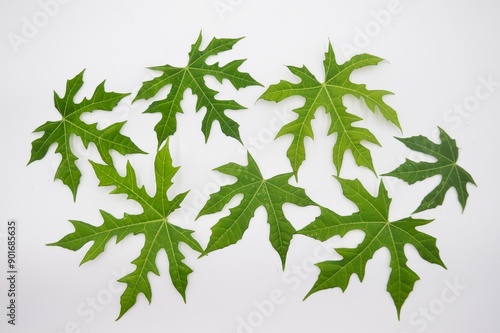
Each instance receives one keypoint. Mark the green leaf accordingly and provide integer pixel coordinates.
(446, 166)
(373, 219)
(153, 223)
(329, 94)
(271, 193)
(193, 76)
(59, 132)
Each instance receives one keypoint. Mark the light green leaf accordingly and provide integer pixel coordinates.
(329, 94)
(446, 166)
(373, 219)
(59, 132)
(153, 223)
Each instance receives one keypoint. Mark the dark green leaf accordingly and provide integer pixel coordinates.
(193, 77)
(271, 193)
(446, 166)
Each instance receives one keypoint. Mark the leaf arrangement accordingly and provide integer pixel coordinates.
(154, 222)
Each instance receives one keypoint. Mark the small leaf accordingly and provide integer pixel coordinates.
(193, 76)
(271, 193)
(329, 94)
(59, 132)
(153, 223)
(446, 166)
(373, 220)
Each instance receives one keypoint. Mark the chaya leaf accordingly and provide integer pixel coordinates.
(271, 193)
(329, 95)
(446, 166)
(373, 219)
(59, 132)
(153, 223)
(193, 76)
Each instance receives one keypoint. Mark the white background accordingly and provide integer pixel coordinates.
(436, 55)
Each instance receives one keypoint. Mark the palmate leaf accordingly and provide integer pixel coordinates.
(59, 132)
(193, 76)
(373, 219)
(329, 94)
(153, 223)
(271, 193)
(446, 166)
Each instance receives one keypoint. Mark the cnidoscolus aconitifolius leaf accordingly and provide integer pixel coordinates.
(59, 132)
(452, 175)
(271, 193)
(192, 76)
(153, 223)
(373, 219)
(329, 94)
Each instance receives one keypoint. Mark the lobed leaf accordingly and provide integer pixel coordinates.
(153, 223)
(452, 175)
(192, 76)
(271, 193)
(59, 132)
(329, 94)
(373, 219)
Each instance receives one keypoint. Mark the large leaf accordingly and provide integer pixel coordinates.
(271, 193)
(153, 223)
(373, 219)
(193, 76)
(59, 132)
(329, 94)
(452, 175)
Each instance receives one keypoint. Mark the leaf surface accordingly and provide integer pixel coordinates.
(452, 175)
(329, 94)
(192, 76)
(59, 132)
(271, 193)
(153, 223)
(373, 219)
